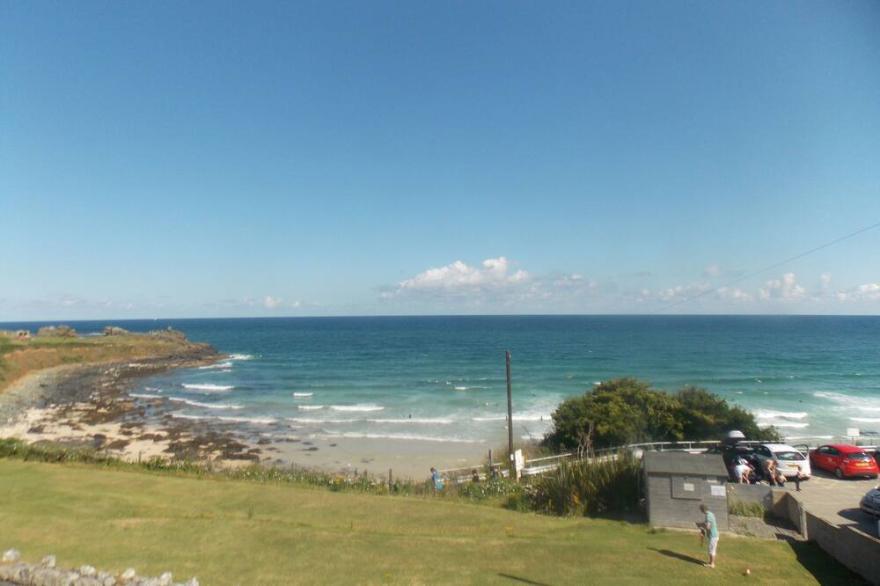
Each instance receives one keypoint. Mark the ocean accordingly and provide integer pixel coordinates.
(442, 379)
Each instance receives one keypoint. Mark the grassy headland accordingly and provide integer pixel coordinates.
(19, 357)
(238, 532)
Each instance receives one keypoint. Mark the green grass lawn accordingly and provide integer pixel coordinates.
(239, 532)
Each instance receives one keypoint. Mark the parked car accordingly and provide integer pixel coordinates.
(871, 502)
(844, 461)
(788, 458)
(756, 454)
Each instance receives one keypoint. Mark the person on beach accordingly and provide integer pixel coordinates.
(436, 479)
(709, 529)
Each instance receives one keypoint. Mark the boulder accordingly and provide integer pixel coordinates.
(115, 331)
(56, 332)
(128, 575)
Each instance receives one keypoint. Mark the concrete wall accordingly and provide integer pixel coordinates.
(856, 550)
(666, 511)
(786, 506)
(751, 493)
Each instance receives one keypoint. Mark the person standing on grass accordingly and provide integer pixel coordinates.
(710, 530)
(437, 479)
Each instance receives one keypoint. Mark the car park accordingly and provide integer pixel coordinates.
(844, 461)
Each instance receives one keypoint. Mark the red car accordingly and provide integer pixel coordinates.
(844, 460)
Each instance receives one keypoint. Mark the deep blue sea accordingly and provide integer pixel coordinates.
(442, 378)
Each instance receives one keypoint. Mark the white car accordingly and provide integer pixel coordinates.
(788, 457)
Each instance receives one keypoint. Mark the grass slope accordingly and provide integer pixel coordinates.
(236, 532)
(20, 357)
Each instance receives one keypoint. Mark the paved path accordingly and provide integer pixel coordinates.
(837, 500)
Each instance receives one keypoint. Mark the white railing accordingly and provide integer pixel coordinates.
(544, 464)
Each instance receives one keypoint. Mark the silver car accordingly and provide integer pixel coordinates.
(871, 502)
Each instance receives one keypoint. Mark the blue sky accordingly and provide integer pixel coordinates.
(170, 159)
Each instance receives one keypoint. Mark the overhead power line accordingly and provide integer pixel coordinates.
(768, 268)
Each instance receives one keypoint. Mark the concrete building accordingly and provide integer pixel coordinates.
(676, 483)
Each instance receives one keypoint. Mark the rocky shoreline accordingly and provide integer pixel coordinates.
(90, 406)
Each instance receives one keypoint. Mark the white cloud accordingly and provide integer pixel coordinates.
(270, 302)
(733, 294)
(712, 270)
(866, 292)
(493, 273)
(786, 289)
(825, 280)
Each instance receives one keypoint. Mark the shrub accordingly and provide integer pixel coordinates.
(589, 487)
(625, 410)
(743, 509)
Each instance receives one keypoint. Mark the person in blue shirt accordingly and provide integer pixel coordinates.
(709, 527)
(436, 479)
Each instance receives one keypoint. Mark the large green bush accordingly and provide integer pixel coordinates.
(626, 410)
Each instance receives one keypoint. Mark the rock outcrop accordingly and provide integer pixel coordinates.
(12, 569)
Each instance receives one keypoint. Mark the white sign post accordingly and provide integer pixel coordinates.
(518, 463)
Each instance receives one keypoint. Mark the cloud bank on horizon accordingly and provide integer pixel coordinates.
(500, 286)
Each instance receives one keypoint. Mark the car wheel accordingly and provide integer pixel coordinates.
(838, 472)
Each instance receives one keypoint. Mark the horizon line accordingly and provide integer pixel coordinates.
(435, 315)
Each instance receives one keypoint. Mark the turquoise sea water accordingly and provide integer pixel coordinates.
(442, 378)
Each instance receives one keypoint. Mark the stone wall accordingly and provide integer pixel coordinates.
(13, 570)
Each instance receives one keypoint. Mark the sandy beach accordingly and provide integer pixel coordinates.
(91, 405)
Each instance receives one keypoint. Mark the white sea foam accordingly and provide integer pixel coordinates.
(365, 407)
(313, 420)
(260, 420)
(224, 365)
(302, 395)
(866, 419)
(800, 437)
(206, 387)
(257, 420)
(152, 389)
(205, 405)
(530, 417)
(310, 407)
(860, 404)
(402, 436)
(771, 414)
(145, 396)
(241, 357)
(788, 424)
(461, 388)
(415, 420)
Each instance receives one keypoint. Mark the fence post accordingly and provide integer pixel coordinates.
(390, 482)
(509, 415)
(490, 461)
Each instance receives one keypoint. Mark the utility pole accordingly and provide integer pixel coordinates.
(509, 414)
